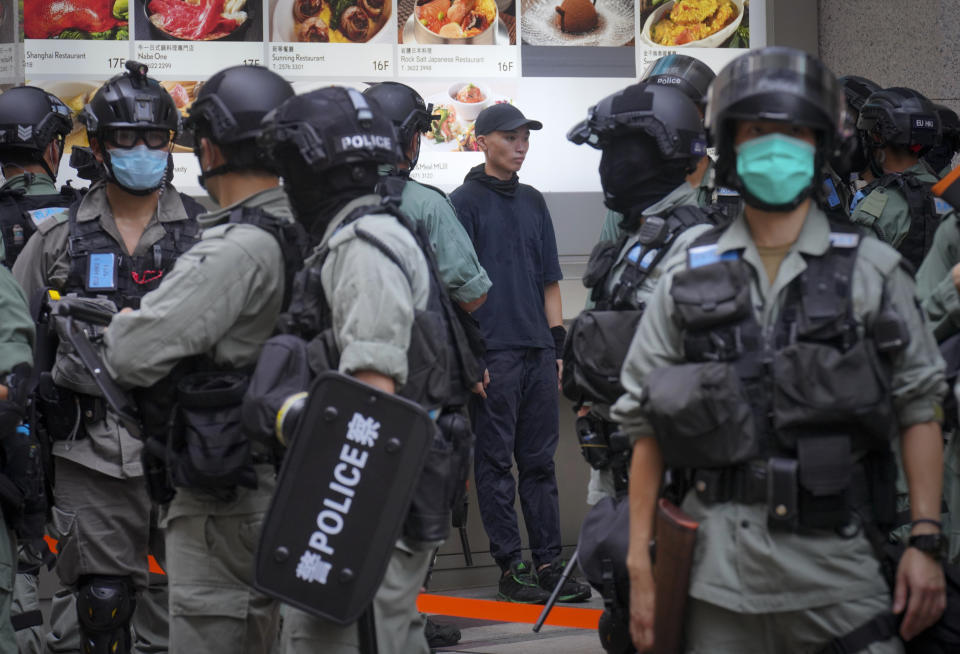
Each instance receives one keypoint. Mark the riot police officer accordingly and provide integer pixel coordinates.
(899, 126)
(16, 351)
(329, 145)
(940, 158)
(646, 126)
(221, 301)
(110, 249)
(465, 278)
(33, 124)
(693, 78)
(735, 375)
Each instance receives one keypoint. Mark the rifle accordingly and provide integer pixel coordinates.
(675, 534)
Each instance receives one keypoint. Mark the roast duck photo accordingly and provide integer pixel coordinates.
(76, 19)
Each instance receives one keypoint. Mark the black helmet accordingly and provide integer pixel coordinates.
(949, 125)
(131, 100)
(405, 107)
(30, 118)
(900, 116)
(778, 84)
(663, 113)
(231, 105)
(328, 128)
(690, 75)
(856, 90)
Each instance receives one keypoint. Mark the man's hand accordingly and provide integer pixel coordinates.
(642, 602)
(955, 275)
(480, 388)
(560, 375)
(921, 589)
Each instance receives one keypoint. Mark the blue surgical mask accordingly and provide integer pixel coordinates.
(139, 168)
(776, 168)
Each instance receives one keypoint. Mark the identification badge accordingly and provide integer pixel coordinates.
(704, 255)
(39, 215)
(102, 271)
(942, 206)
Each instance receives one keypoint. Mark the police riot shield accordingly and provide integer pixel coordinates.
(342, 495)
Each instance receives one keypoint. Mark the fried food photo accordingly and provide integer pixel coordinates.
(459, 19)
(339, 21)
(693, 20)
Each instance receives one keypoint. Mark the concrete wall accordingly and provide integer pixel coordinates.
(894, 43)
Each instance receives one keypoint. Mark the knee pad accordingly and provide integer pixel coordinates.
(104, 608)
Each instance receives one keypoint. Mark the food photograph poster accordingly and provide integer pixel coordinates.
(551, 58)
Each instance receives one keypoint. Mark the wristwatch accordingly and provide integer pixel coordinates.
(934, 545)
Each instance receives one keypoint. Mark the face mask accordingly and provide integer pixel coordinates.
(776, 168)
(634, 176)
(139, 168)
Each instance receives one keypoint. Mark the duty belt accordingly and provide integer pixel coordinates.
(746, 483)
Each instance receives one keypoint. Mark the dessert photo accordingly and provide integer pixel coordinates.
(577, 22)
(695, 23)
(331, 21)
(457, 22)
(198, 20)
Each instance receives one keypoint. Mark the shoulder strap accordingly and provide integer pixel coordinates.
(290, 236)
(191, 206)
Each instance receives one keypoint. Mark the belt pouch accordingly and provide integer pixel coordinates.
(782, 481)
(826, 466)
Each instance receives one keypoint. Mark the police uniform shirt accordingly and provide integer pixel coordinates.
(738, 562)
(885, 210)
(16, 327)
(938, 294)
(461, 272)
(372, 302)
(45, 262)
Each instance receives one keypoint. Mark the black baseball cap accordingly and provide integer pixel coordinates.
(503, 117)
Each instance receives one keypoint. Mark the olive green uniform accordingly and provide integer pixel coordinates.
(457, 263)
(754, 589)
(885, 210)
(372, 307)
(16, 347)
(941, 302)
(26, 593)
(102, 516)
(601, 481)
(222, 298)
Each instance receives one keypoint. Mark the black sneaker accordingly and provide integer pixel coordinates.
(440, 635)
(572, 591)
(519, 584)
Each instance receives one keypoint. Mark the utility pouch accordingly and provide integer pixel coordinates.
(601, 261)
(282, 372)
(712, 295)
(593, 443)
(594, 352)
(782, 492)
(214, 451)
(826, 469)
(59, 410)
(455, 427)
(428, 377)
(93, 409)
(429, 517)
(322, 353)
(818, 386)
(700, 415)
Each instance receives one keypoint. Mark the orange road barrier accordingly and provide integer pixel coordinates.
(152, 562)
(560, 616)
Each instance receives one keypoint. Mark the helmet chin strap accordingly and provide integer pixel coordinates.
(214, 172)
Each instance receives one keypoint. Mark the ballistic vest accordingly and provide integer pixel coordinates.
(99, 266)
(21, 213)
(924, 217)
(440, 364)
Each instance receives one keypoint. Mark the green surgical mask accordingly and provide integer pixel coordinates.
(776, 168)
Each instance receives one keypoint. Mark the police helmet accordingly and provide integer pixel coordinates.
(949, 126)
(131, 100)
(690, 75)
(856, 90)
(900, 116)
(405, 107)
(30, 118)
(776, 84)
(326, 129)
(231, 105)
(663, 113)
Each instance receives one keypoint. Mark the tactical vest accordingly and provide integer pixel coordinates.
(775, 414)
(924, 217)
(99, 266)
(441, 368)
(599, 338)
(21, 213)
